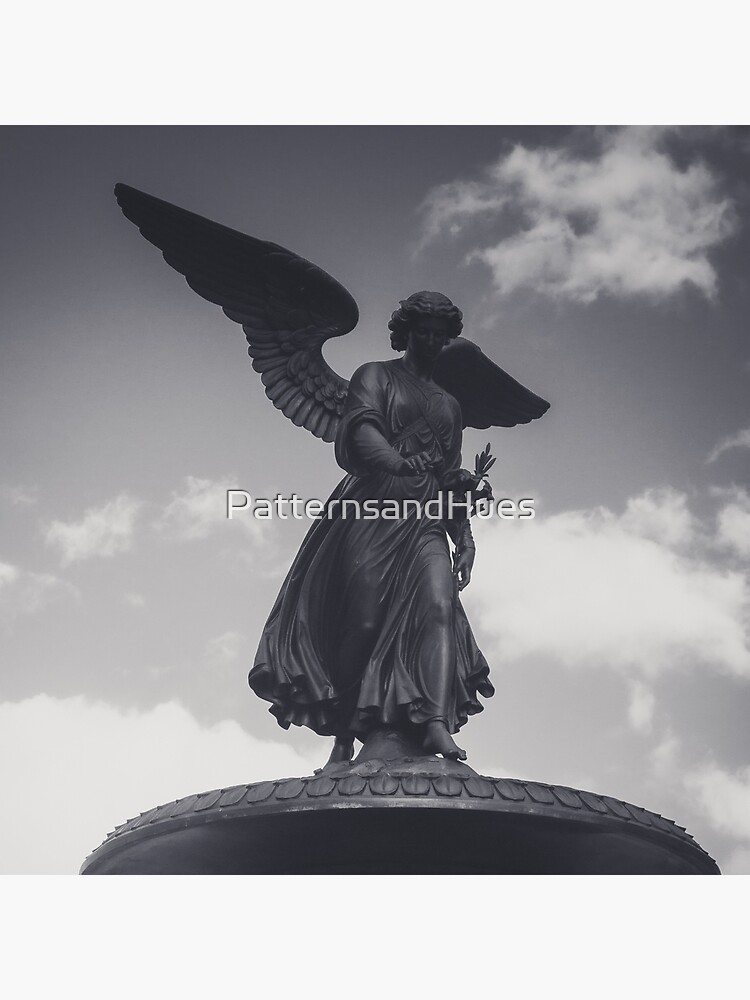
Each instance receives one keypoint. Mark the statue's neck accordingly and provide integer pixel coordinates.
(418, 367)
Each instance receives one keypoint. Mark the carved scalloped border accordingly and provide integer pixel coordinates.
(395, 782)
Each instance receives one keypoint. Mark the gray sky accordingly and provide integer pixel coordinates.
(605, 269)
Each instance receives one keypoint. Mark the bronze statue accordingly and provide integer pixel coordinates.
(368, 630)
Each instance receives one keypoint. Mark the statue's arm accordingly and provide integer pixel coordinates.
(459, 529)
(372, 450)
(362, 446)
(465, 550)
(460, 534)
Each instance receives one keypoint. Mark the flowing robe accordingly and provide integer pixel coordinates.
(368, 628)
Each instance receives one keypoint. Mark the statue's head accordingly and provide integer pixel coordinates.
(421, 307)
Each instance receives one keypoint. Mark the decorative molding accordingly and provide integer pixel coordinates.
(406, 782)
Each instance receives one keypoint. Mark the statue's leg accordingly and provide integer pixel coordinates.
(343, 750)
(436, 649)
(437, 739)
(362, 621)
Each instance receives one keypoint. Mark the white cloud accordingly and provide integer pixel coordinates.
(107, 766)
(103, 531)
(641, 707)
(22, 496)
(224, 648)
(638, 594)
(712, 794)
(25, 593)
(733, 524)
(664, 757)
(590, 588)
(627, 222)
(739, 440)
(201, 508)
(661, 515)
(8, 574)
(724, 797)
(738, 862)
(135, 600)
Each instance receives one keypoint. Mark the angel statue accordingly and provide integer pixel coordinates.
(368, 631)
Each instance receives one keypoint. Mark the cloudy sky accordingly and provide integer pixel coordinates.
(607, 269)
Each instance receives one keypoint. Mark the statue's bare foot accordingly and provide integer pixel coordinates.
(437, 739)
(343, 750)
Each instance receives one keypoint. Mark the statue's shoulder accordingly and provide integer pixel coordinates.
(374, 372)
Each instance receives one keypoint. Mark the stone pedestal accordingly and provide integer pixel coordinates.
(394, 812)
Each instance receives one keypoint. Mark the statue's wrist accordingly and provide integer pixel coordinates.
(397, 465)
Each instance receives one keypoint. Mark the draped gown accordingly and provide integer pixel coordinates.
(368, 629)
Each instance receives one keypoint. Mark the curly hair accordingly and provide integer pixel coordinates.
(418, 306)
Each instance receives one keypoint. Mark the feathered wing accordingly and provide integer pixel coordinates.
(488, 396)
(287, 306)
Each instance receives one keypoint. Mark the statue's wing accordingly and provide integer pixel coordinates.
(287, 306)
(488, 396)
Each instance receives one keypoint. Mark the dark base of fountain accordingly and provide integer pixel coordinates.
(399, 815)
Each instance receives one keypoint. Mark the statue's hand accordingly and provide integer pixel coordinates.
(463, 562)
(459, 481)
(415, 465)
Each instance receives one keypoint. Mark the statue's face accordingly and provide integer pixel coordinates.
(428, 337)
